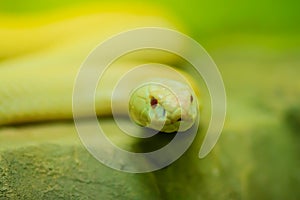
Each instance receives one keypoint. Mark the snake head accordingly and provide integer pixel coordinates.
(168, 106)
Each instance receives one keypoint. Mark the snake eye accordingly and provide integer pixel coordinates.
(153, 102)
(191, 98)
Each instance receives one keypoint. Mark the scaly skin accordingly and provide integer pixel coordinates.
(164, 105)
(38, 86)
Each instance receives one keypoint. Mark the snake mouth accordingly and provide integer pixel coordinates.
(181, 120)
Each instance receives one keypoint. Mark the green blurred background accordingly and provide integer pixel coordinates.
(256, 45)
(205, 18)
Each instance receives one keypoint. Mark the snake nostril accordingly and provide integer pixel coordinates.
(153, 102)
(191, 98)
(178, 120)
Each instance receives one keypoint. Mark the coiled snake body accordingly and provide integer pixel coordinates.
(38, 86)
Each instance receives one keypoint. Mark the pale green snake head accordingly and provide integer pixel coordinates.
(167, 107)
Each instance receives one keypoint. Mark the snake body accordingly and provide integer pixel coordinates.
(38, 85)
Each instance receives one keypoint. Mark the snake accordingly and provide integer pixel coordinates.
(37, 86)
(167, 110)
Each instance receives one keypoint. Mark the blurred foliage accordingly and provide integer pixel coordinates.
(292, 117)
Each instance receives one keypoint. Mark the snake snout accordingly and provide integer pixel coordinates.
(166, 108)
